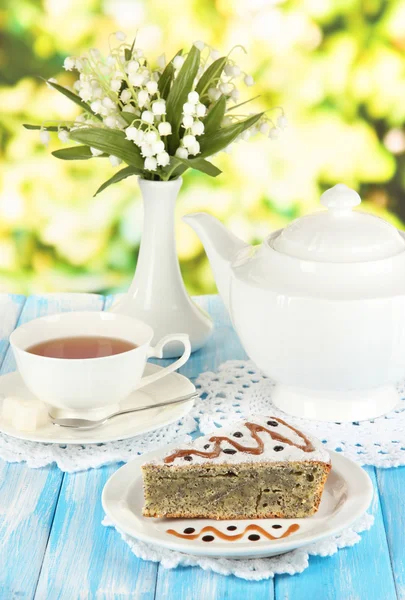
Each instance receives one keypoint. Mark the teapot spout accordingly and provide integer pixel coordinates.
(221, 247)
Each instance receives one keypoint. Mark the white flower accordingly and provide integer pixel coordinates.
(199, 44)
(85, 92)
(282, 122)
(110, 122)
(165, 128)
(274, 133)
(76, 86)
(150, 164)
(228, 69)
(147, 150)
(163, 159)
(126, 96)
(150, 137)
(178, 62)
(138, 52)
(140, 136)
(248, 79)
(69, 63)
(96, 106)
(115, 85)
(236, 71)
(133, 67)
(108, 103)
(147, 117)
(226, 88)
(79, 64)
(264, 128)
(118, 75)
(159, 107)
(235, 95)
(110, 60)
(44, 137)
(188, 108)
(188, 121)
(131, 109)
(152, 87)
(131, 133)
(120, 35)
(96, 152)
(158, 147)
(97, 92)
(194, 149)
(215, 54)
(136, 79)
(114, 160)
(200, 110)
(245, 135)
(181, 153)
(197, 128)
(63, 135)
(213, 94)
(188, 141)
(161, 61)
(143, 98)
(193, 97)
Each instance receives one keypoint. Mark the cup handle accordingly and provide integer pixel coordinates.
(157, 351)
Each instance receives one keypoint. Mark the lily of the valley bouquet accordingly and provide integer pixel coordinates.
(159, 119)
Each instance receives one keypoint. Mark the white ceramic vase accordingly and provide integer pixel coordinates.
(157, 294)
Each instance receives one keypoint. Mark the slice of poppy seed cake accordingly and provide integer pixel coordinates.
(258, 468)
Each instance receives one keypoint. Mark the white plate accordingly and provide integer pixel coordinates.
(119, 428)
(347, 495)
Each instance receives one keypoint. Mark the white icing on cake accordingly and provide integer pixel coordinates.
(271, 451)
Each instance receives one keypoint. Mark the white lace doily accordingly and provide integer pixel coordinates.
(76, 457)
(253, 569)
(239, 389)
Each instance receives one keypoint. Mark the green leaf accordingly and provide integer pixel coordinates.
(128, 116)
(179, 91)
(119, 176)
(200, 165)
(166, 77)
(44, 127)
(110, 141)
(74, 98)
(213, 120)
(210, 77)
(220, 139)
(74, 153)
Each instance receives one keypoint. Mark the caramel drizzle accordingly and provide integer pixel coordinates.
(233, 538)
(253, 428)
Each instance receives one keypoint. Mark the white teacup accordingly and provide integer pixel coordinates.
(89, 384)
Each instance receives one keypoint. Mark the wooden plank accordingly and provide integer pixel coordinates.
(391, 484)
(102, 564)
(193, 583)
(84, 559)
(358, 573)
(10, 309)
(28, 497)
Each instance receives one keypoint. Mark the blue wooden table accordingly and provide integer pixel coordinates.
(53, 546)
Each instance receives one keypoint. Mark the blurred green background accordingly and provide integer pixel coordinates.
(336, 66)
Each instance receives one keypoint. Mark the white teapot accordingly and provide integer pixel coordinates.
(319, 307)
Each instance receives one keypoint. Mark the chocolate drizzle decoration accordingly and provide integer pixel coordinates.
(254, 428)
(238, 536)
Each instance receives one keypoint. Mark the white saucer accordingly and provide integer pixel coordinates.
(347, 495)
(119, 428)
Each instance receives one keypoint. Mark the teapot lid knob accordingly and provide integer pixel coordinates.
(340, 199)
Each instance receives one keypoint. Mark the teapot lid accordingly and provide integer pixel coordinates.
(339, 234)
